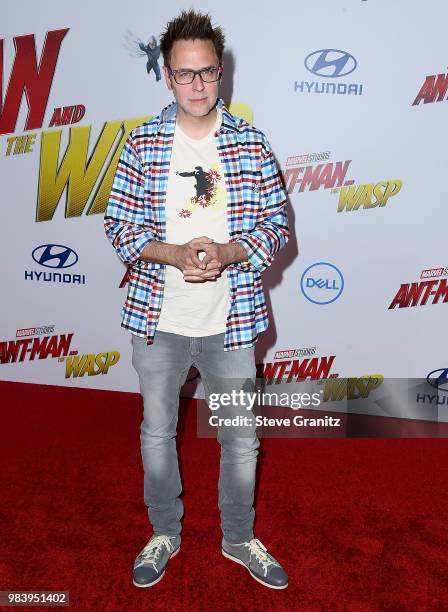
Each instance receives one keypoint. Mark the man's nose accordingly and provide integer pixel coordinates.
(198, 83)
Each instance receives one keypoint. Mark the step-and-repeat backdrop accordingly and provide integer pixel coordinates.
(352, 96)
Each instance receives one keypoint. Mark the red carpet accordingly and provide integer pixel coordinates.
(359, 524)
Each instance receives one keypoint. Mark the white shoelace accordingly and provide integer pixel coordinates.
(153, 548)
(257, 549)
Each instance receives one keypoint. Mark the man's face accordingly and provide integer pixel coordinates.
(198, 98)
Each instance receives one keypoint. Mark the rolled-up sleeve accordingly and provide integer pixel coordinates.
(271, 231)
(124, 219)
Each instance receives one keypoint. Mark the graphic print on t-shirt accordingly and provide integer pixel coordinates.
(196, 205)
(206, 190)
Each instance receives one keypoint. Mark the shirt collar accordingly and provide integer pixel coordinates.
(168, 117)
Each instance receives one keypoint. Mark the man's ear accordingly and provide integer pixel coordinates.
(167, 76)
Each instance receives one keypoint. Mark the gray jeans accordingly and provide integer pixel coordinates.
(162, 369)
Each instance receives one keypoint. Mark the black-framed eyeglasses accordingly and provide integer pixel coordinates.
(185, 77)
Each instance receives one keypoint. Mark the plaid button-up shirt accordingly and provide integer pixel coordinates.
(256, 217)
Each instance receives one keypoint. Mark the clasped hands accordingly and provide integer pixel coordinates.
(195, 270)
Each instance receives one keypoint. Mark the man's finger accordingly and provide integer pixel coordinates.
(194, 261)
(198, 279)
(209, 258)
(197, 272)
(200, 274)
(212, 265)
(202, 240)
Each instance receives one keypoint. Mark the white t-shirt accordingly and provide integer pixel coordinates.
(196, 205)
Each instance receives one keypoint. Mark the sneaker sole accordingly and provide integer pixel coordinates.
(145, 586)
(232, 558)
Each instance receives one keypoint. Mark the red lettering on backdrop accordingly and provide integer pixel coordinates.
(29, 78)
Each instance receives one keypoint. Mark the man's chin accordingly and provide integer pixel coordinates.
(201, 109)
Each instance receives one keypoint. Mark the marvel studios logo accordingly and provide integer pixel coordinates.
(434, 272)
(307, 158)
(34, 331)
(292, 353)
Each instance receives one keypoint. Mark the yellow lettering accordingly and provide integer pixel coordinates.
(393, 187)
(111, 359)
(73, 365)
(348, 196)
(10, 143)
(101, 196)
(374, 381)
(77, 172)
(335, 389)
(89, 365)
(379, 193)
(20, 145)
(366, 197)
(30, 142)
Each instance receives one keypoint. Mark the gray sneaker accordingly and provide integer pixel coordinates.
(149, 566)
(261, 565)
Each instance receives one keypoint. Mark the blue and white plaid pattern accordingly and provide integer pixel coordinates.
(256, 215)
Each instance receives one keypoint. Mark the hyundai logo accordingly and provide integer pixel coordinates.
(322, 283)
(438, 379)
(330, 63)
(54, 256)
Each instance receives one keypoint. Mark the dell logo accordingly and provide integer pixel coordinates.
(322, 283)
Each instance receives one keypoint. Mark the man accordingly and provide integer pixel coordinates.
(195, 296)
